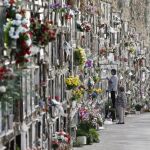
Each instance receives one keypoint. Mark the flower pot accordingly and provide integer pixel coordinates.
(82, 140)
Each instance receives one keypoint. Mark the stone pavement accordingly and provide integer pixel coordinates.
(133, 135)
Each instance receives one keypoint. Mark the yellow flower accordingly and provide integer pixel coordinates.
(72, 82)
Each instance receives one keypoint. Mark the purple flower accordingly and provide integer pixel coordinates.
(55, 6)
(89, 63)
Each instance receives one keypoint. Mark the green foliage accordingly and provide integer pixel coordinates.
(89, 139)
(86, 126)
(94, 134)
(86, 129)
(6, 33)
(81, 132)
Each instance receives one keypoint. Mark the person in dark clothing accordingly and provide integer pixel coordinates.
(113, 86)
(121, 102)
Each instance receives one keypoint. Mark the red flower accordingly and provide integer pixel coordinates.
(11, 2)
(3, 71)
(68, 16)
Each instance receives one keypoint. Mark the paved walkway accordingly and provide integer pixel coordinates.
(134, 135)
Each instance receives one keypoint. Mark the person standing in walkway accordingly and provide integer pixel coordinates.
(113, 86)
(121, 102)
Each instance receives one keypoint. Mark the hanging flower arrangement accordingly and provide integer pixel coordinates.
(79, 56)
(58, 7)
(18, 36)
(72, 82)
(69, 15)
(16, 32)
(84, 26)
(42, 32)
(77, 94)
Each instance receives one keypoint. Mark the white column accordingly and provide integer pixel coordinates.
(23, 141)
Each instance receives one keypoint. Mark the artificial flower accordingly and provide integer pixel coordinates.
(2, 89)
(18, 16)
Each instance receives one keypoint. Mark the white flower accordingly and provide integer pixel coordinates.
(13, 35)
(18, 16)
(2, 89)
(29, 42)
(17, 22)
(12, 29)
(25, 21)
(6, 3)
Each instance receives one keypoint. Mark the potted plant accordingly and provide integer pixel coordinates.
(89, 139)
(81, 136)
(94, 134)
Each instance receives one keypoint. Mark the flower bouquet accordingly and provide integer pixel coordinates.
(79, 56)
(72, 82)
(58, 7)
(103, 51)
(16, 33)
(98, 90)
(42, 33)
(84, 26)
(77, 94)
(89, 63)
